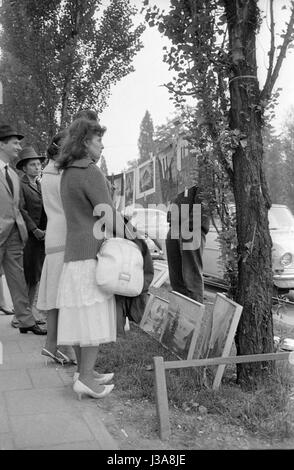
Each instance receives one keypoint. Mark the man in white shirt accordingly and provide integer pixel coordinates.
(13, 232)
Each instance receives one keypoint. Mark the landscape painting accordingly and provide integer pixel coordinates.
(129, 188)
(183, 325)
(155, 316)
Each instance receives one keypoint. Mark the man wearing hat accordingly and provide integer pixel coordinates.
(13, 232)
(34, 216)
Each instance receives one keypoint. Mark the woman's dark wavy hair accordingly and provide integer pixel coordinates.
(74, 145)
(55, 145)
(89, 114)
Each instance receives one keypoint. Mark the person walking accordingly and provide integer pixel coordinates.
(34, 216)
(54, 249)
(13, 232)
(87, 316)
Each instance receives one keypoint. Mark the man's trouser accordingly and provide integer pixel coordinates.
(11, 259)
(185, 267)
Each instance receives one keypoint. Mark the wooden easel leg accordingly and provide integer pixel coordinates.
(161, 398)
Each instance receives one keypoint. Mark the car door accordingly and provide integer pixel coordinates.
(212, 253)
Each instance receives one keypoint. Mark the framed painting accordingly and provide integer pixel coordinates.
(118, 182)
(117, 190)
(130, 188)
(183, 326)
(154, 317)
(118, 195)
(225, 318)
(145, 179)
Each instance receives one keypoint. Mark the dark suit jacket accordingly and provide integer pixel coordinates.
(10, 209)
(192, 197)
(31, 206)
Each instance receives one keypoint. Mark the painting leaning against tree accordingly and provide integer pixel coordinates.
(155, 316)
(225, 318)
(183, 328)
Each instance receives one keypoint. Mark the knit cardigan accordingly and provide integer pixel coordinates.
(83, 186)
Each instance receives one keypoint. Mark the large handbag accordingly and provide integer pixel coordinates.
(120, 267)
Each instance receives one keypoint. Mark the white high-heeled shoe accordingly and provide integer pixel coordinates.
(81, 389)
(48, 354)
(66, 359)
(101, 379)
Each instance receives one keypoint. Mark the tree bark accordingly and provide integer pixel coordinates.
(254, 291)
(64, 120)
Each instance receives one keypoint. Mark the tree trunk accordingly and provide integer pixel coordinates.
(64, 120)
(254, 291)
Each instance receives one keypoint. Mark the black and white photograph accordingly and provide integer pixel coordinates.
(155, 317)
(183, 326)
(145, 179)
(130, 188)
(118, 183)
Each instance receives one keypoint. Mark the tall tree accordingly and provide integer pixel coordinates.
(145, 142)
(213, 55)
(61, 56)
(131, 164)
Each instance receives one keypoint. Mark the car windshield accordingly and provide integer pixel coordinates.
(280, 218)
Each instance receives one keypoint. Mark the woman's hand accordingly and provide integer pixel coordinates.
(39, 234)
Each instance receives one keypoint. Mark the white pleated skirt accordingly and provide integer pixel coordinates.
(87, 316)
(49, 282)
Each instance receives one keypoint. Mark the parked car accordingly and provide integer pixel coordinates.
(153, 224)
(281, 225)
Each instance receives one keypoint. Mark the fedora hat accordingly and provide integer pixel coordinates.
(8, 131)
(27, 153)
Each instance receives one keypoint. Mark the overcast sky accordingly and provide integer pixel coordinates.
(143, 89)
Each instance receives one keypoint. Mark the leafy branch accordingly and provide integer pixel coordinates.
(274, 70)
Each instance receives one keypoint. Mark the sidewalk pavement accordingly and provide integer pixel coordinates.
(38, 408)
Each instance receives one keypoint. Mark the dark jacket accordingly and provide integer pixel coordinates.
(34, 215)
(133, 307)
(31, 205)
(192, 197)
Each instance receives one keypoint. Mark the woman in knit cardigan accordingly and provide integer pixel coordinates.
(87, 316)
